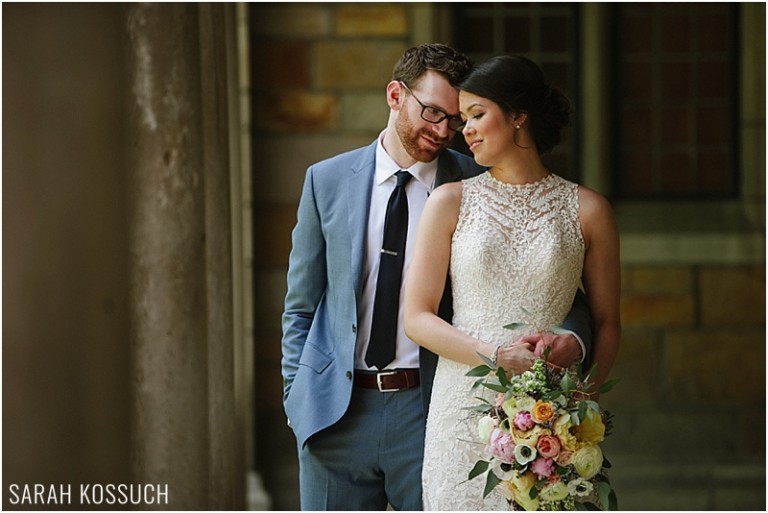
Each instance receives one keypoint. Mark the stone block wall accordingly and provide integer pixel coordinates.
(690, 407)
(318, 78)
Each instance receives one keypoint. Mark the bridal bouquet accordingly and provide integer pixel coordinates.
(542, 437)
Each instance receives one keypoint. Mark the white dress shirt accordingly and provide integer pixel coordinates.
(417, 190)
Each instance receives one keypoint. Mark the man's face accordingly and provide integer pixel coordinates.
(423, 140)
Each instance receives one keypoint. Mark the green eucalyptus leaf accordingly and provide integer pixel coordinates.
(575, 420)
(490, 483)
(480, 467)
(495, 387)
(607, 386)
(593, 406)
(486, 360)
(480, 370)
(613, 501)
(559, 330)
(478, 408)
(502, 375)
(515, 325)
(604, 491)
(582, 410)
(567, 382)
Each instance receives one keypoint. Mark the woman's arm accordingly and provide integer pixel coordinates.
(601, 278)
(425, 283)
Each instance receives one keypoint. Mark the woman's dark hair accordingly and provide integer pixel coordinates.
(517, 85)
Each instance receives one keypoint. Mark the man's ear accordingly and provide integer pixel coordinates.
(395, 95)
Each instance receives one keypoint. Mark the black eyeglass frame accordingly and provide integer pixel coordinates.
(455, 123)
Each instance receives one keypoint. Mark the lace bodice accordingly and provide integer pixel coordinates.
(517, 256)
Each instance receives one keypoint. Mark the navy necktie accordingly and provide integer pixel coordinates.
(381, 346)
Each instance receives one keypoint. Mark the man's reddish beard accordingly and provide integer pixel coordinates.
(410, 137)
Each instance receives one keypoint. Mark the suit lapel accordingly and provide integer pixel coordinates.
(447, 169)
(358, 204)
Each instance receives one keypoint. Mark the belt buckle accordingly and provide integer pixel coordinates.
(378, 381)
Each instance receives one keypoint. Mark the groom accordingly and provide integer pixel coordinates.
(360, 426)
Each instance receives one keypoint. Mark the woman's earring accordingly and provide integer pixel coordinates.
(517, 126)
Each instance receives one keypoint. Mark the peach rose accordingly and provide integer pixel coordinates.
(548, 446)
(542, 412)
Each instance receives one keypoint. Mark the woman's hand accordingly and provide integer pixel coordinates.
(517, 357)
(565, 349)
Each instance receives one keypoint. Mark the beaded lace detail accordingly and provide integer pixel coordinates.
(517, 256)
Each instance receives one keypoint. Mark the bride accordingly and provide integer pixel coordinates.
(518, 241)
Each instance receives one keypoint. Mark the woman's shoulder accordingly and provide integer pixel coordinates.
(595, 212)
(593, 203)
(447, 192)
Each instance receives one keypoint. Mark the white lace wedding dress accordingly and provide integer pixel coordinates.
(516, 249)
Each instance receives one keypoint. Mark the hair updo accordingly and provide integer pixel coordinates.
(517, 85)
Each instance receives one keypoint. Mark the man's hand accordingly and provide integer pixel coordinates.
(565, 349)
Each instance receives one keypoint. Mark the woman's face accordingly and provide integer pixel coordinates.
(488, 132)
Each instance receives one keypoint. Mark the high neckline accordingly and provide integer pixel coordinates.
(518, 186)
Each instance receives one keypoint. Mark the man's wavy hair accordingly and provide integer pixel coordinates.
(452, 64)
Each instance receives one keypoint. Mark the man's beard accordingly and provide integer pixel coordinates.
(409, 137)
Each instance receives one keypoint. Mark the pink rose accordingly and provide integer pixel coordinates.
(543, 467)
(502, 446)
(548, 446)
(523, 421)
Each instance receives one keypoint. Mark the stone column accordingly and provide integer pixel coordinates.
(226, 453)
(170, 431)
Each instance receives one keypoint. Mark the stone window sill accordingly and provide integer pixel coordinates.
(691, 233)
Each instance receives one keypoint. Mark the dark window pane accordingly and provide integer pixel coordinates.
(475, 35)
(675, 99)
(638, 80)
(636, 34)
(555, 34)
(716, 39)
(517, 35)
(714, 79)
(674, 176)
(675, 34)
(675, 125)
(675, 81)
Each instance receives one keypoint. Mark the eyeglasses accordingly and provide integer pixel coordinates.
(435, 115)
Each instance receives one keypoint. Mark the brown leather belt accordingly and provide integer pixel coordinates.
(388, 380)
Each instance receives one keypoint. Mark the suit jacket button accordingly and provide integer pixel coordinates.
(349, 374)
(354, 328)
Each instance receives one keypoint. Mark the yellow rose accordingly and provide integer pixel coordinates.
(510, 407)
(542, 412)
(587, 461)
(562, 428)
(520, 486)
(591, 429)
(529, 437)
(553, 492)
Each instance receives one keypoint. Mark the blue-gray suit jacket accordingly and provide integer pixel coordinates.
(325, 287)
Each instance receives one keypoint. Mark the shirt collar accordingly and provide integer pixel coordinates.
(424, 172)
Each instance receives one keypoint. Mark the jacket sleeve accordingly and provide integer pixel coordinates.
(579, 321)
(306, 281)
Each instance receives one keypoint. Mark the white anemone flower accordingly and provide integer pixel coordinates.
(524, 453)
